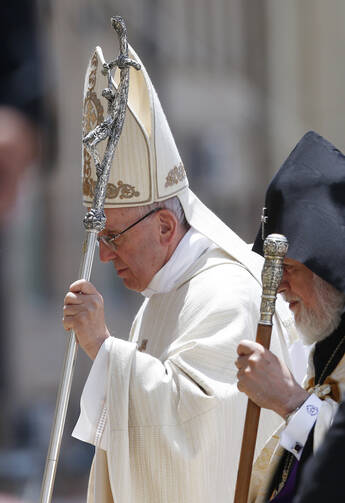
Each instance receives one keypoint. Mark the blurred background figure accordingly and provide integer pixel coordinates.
(21, 110)
(20, 114)
(18, 148)
(21, 126)
(240, 80)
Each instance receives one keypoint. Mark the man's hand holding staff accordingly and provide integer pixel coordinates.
(275, 248)
(94, 222)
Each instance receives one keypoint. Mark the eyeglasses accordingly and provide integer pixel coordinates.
(109, 239)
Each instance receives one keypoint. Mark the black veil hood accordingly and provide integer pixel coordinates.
(305, 201)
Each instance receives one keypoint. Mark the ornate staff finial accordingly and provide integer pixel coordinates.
(112, 125)
(275, 249)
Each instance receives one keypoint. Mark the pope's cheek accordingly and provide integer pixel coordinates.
(129, 280)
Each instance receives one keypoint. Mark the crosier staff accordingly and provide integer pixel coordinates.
(275, 249)
(94, 221)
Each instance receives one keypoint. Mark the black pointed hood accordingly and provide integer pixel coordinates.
(305, 201)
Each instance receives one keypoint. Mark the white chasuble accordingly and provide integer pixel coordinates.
(174, 414)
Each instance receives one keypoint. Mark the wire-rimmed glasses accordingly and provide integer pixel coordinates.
(109, 239)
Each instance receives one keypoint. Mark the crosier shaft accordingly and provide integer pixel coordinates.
(94, 221)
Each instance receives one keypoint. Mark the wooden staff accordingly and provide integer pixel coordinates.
(94, 221)
(275, 248)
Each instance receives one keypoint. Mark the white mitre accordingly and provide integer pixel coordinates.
(146, 166)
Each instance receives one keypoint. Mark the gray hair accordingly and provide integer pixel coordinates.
(172, 204)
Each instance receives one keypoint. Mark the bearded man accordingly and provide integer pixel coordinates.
(305, 201)
(163, 409)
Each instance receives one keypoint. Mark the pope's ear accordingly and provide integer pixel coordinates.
(167, 226)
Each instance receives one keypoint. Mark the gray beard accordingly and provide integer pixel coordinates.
(314, 325)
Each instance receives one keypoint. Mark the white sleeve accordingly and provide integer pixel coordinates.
(294, 436)
(91, 425)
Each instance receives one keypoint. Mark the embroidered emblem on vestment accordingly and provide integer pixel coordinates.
(175, 175)
(312, 410)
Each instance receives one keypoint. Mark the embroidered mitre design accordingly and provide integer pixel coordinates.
(93, 114)
(146, 166)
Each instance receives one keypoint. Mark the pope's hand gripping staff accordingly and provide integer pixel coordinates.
(94, 222)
